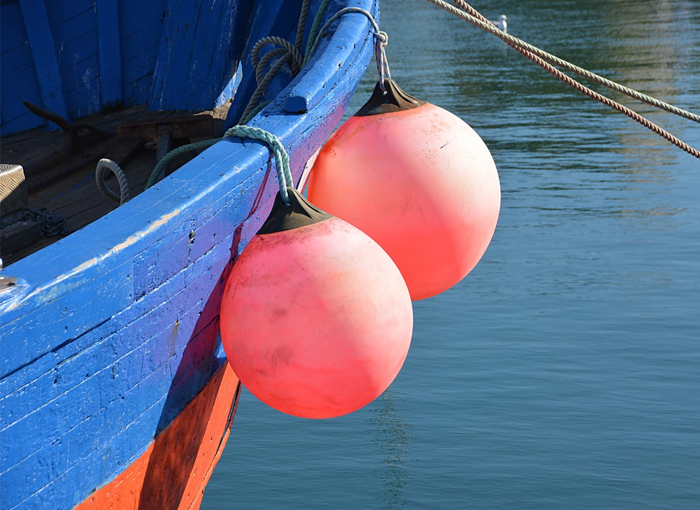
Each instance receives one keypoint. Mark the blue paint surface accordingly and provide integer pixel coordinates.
(42, 45)
(17, 80)
(110, 52)
(114, 329)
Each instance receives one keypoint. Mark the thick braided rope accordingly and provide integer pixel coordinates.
(267, 58)
(185, 149)
(100, 175)
(514, 42)
(284, 175)
(296, 56)
(568, 80)
(314, 30)
(301, 27)
(288, 53)
(262, 86)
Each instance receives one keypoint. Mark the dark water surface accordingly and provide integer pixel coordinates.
(564, 371)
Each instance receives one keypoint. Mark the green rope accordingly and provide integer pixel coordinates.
(284, 175)
(255, 111)
(185, 149)
(314, 29)
(251, 111)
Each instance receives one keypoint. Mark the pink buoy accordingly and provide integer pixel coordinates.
(418, 180)
(316, 319)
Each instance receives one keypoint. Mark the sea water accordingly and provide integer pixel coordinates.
(564, 371)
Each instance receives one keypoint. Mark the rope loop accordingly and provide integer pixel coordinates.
(284, 175)
(381, 39)
(297, 59)
(105, 165)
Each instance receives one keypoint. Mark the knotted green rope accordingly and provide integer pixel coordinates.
(289, 52)
(185, 149)
(284, 175)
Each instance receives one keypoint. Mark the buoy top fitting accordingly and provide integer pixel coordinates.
(393, 99)
(299, 213)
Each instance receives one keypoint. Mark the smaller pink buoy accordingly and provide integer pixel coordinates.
(416, 179)
(316, 319)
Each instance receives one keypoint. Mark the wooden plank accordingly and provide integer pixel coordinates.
(17, 79)
(143, 24)
(110, 52)
(63, 11)
(136, 364)
(36, 23)
(266, 19)
(306, 95)
(185, 60)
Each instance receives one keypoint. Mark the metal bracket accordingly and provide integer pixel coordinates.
(6, 282)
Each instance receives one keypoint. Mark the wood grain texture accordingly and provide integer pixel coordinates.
(36, 23)
(17, 80)
(174, 470)
(110, 52)
(195, 61)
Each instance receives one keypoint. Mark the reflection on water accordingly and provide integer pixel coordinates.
(393, 436)
(563, 372)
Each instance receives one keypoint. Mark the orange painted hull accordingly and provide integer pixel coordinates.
(173, 472)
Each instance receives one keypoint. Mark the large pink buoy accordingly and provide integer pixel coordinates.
(316, 319)
(418, 180)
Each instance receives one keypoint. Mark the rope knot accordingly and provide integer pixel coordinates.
(381, 37)
(284, 175)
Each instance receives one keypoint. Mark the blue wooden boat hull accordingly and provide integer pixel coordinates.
(111, 334)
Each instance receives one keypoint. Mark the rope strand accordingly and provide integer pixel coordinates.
(524, 49)
(515, 43)
(284, 175)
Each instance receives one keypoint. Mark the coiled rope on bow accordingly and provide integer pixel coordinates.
(540, 57)
(287, 53)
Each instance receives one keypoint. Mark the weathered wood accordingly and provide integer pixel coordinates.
(269, 17)
(75, 195)
(18, 236)
(74, 30)
(110, 52)
(188, 73)
(44, 52)
(199, 125)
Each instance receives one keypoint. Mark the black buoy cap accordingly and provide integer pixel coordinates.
(392, 100)
(299, 213)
